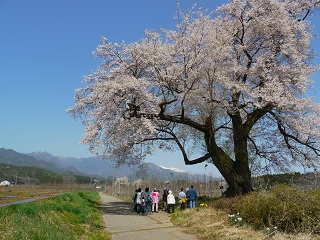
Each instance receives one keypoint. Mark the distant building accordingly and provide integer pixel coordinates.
(5, 183)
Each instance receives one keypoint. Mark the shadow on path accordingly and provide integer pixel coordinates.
(124, 224)
(118, 208)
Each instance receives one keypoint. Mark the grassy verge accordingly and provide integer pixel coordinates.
(73, 215)
(283, 213)
(209, 223)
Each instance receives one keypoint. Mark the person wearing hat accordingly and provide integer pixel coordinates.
(171, 201)
(155, 200)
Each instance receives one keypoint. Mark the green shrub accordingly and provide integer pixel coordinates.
(284, 207)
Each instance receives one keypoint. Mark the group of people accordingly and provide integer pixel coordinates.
(188, 198)
(148, 201)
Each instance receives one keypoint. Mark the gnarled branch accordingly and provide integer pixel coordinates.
(185, 156)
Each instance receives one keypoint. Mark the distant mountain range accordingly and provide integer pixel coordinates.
(89, 166)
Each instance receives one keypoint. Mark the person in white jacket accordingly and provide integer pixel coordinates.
(139, 202)
(171, 201)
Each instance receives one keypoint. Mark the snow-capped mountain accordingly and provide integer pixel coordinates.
(173, 169)
(92, 166)
(103, 168)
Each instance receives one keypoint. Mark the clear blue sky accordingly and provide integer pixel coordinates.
(46, 48)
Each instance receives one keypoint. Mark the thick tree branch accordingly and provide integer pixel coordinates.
(254, 116)
(185, 156)
(156, 139)
(134, 112)
(163, 106)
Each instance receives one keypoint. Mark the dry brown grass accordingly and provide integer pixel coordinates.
(13, 194)
(209, 223)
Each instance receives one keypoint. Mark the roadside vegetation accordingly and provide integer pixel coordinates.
(73, 215)
(283, 212)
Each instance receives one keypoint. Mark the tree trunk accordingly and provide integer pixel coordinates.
(239, 183)
(236, 172)
(238, 176)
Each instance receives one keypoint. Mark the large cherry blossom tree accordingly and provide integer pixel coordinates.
(228, 86)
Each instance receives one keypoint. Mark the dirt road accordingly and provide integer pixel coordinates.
(123, 223)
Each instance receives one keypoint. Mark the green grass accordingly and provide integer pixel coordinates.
(73, 215)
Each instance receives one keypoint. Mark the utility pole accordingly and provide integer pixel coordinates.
(17, 177)
(119, 186)
(205, 178)
(113, 166)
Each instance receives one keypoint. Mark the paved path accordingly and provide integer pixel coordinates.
(125, 224)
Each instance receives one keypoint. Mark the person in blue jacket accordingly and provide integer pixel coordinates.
(192, 195)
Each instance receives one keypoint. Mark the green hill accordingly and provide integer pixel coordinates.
(22, 169)
(27, 174)
(9, 156)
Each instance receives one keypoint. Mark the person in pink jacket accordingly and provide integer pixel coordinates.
(155, 200)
